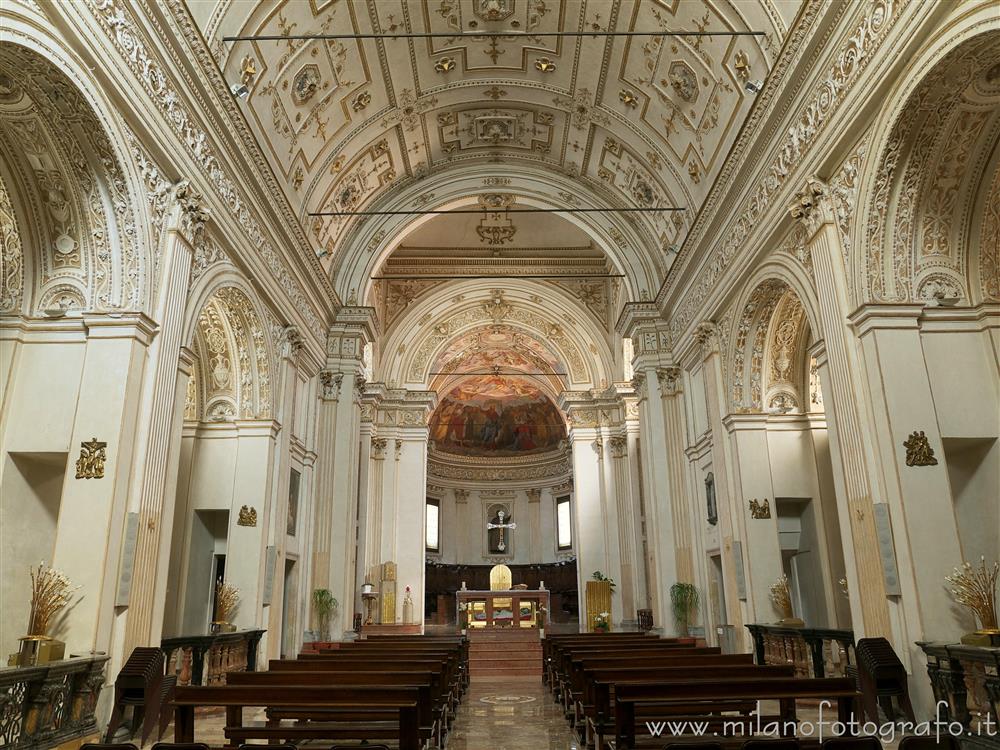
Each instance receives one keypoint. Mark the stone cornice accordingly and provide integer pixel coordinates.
(841, 50)
(194, 121)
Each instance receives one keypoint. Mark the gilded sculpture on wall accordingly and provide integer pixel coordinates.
(248, 516)
(760, 509)
(90, 464)
(918, 450)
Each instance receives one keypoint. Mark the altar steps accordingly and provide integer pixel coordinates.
(504, 653)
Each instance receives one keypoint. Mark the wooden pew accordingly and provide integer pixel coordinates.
(599, 691)
(431, 706)
(359, 704)
(653, 700)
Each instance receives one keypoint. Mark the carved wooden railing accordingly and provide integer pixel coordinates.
(966, 683)
(205, 659)
(813, 652)
(47, 705)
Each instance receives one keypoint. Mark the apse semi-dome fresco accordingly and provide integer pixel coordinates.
(496, 415)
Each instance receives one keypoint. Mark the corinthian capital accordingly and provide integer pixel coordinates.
(669, 378)
(813, 205)
(707, 336)
(330, 384)
(192, 213)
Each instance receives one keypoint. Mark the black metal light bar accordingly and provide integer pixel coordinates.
(490, 372)
(477, 35)
(487, 209)
(473, 277)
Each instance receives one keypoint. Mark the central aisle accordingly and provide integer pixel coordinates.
(510, 714)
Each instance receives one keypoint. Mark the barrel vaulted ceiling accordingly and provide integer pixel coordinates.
(644, 120)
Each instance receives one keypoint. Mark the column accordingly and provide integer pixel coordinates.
(917, 487)
(731, 544)
(338, 438)
(94, 503)
(855, 452)
(752, 481)
(593, 424)
(397, 489)
(535, 553)
(159, 435)
(653, 385)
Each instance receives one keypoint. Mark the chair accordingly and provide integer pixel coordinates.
(108, 746)
(944, 742)
(852, 743)
(776, 743)
(180, 746)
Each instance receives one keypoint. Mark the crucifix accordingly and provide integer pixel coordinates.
(501, 527)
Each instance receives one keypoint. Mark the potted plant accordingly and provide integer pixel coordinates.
(683, 605)
(324, 605)
(599, 576)
(601, 622)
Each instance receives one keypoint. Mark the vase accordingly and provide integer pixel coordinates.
(39, 649)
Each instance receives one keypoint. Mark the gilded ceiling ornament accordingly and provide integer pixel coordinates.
(90, 464)
(361, 101)
(628, 98)
(305, 84)
(683, 81)
(248, 70)
(741, 64)
(545, 65)
(445, 64)
(495, 92)
(247, 517)
(918, 450)
(298, 177)
(694, 171)
(760, 509)
(493, 10)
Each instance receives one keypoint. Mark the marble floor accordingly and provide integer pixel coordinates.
(510, 714)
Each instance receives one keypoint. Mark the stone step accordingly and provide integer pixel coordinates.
(490, 662)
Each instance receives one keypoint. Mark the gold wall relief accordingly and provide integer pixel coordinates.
(90, 464)
(760, 509)
(248, 516)
(918, 450)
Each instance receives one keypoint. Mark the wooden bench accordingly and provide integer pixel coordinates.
(597, 706)
(656, 700)
(362, 711)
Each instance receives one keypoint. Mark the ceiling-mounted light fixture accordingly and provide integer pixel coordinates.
(753, 87)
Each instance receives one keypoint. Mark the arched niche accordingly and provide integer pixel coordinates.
(930, 230)
(231, 378)
(69, 221)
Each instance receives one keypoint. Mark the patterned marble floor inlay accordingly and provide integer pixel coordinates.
(510, 714)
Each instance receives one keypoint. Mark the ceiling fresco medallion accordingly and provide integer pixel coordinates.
(305, 84)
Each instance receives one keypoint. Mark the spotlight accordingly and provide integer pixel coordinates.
(240, 90)
(754, 87)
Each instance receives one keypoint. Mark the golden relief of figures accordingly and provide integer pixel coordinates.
(918, 450)
(90, 464)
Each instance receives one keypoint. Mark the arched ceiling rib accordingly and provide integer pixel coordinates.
(346, 122)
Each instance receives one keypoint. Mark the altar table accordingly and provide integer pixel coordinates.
(515, 608)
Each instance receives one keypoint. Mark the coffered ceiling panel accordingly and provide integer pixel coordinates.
(647, 120)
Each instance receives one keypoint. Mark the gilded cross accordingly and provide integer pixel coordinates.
(501, 545)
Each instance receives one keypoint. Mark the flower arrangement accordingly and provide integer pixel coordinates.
(50, 592)
(976, 589)
(781, 597)
(601, 624)
(227, 599)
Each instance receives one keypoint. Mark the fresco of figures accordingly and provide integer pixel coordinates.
(496, 415)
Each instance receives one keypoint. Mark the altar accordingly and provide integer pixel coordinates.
(511, 608)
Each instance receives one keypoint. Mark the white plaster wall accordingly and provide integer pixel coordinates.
(463, 527)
